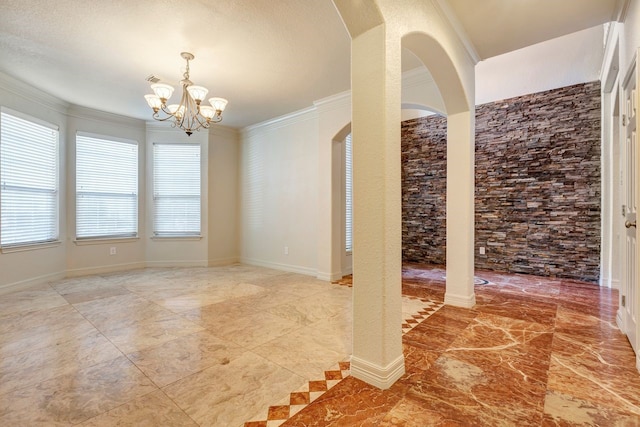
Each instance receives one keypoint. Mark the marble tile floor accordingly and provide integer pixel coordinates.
(166, 347)
(192, 346)
(216, 346)
(532, 352)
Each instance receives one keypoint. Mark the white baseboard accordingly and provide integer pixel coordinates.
(174, 263)
(382, 377)
(219, 262)
(30, 282)
(86, 271)
(277, 266)
(328, 277)
(465, 301)
(615, 284)
(619, 320)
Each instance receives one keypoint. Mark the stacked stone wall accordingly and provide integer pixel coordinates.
(537, 198)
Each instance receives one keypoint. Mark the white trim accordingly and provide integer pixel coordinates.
(223, 131)
(30, 93)
(308, 113)
(220, 262)
(87, 271)
(86, 113)
(382, 377)
(620, 319)
(278, 266)
(615, 284)
(32, 281)
(29, 247)
(105, 240)
(460, 300)
(620, 12)
(328, 277)
(176, 263)
(339, 100)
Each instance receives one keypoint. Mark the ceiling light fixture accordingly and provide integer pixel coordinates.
(189, 115)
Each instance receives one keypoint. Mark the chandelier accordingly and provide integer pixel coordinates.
(189, 115)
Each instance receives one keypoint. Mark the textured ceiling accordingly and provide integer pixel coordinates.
(267, 57)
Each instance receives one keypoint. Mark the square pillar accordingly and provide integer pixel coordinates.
(377, 208)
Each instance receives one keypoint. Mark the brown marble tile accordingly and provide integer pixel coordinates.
(564, 411)
(440, 329)
(350, 403)
(472, 395)
(600, 372)
(519, 307)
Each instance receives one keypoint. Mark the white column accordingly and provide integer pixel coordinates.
(377, 253)
(460, 209)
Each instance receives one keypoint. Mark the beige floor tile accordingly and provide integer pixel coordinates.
(249, 330)
(207, 295)
(20, 333)
(33, 367)
(184, 356)
(227, 395)
(119, 310)
(41, 298)
(322, 305)
(135, 336)
(153, 410)
(73, 398)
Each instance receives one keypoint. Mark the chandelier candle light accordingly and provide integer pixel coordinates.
(189, 115)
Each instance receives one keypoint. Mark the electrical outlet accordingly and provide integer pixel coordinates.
(112, 250)
(286, 250)
(482, 250)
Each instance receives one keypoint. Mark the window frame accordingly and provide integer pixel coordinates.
(55, 240)
(136, 218)
(175, 235)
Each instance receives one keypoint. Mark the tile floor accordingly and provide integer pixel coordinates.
(225, 346)
(532, 352)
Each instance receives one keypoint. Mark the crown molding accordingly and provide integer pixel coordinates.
(305, 114)
(620, 12)
(86, 113)
(419, 76)
(28, 92)
(446, 12)
(223, 131)
(332, 102)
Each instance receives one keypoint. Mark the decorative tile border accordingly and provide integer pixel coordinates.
(275, 416)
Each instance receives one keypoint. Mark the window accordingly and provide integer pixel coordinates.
(106, 188)
(176, 190)
(348, 172)
(29, 179)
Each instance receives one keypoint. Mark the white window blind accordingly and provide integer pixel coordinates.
(348, 171)
(176, 190)
(29, 179)
(106, 188)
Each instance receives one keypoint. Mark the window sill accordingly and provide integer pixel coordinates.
(30, 247)
(105, 241)
(173, 238)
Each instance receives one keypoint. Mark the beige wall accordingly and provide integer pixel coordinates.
(219, 243)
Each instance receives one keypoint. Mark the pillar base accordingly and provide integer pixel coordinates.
(382, 377)
(465, 301)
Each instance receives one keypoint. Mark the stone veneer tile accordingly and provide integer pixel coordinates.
(537, 196)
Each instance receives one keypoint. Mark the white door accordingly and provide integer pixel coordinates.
(629, 290)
